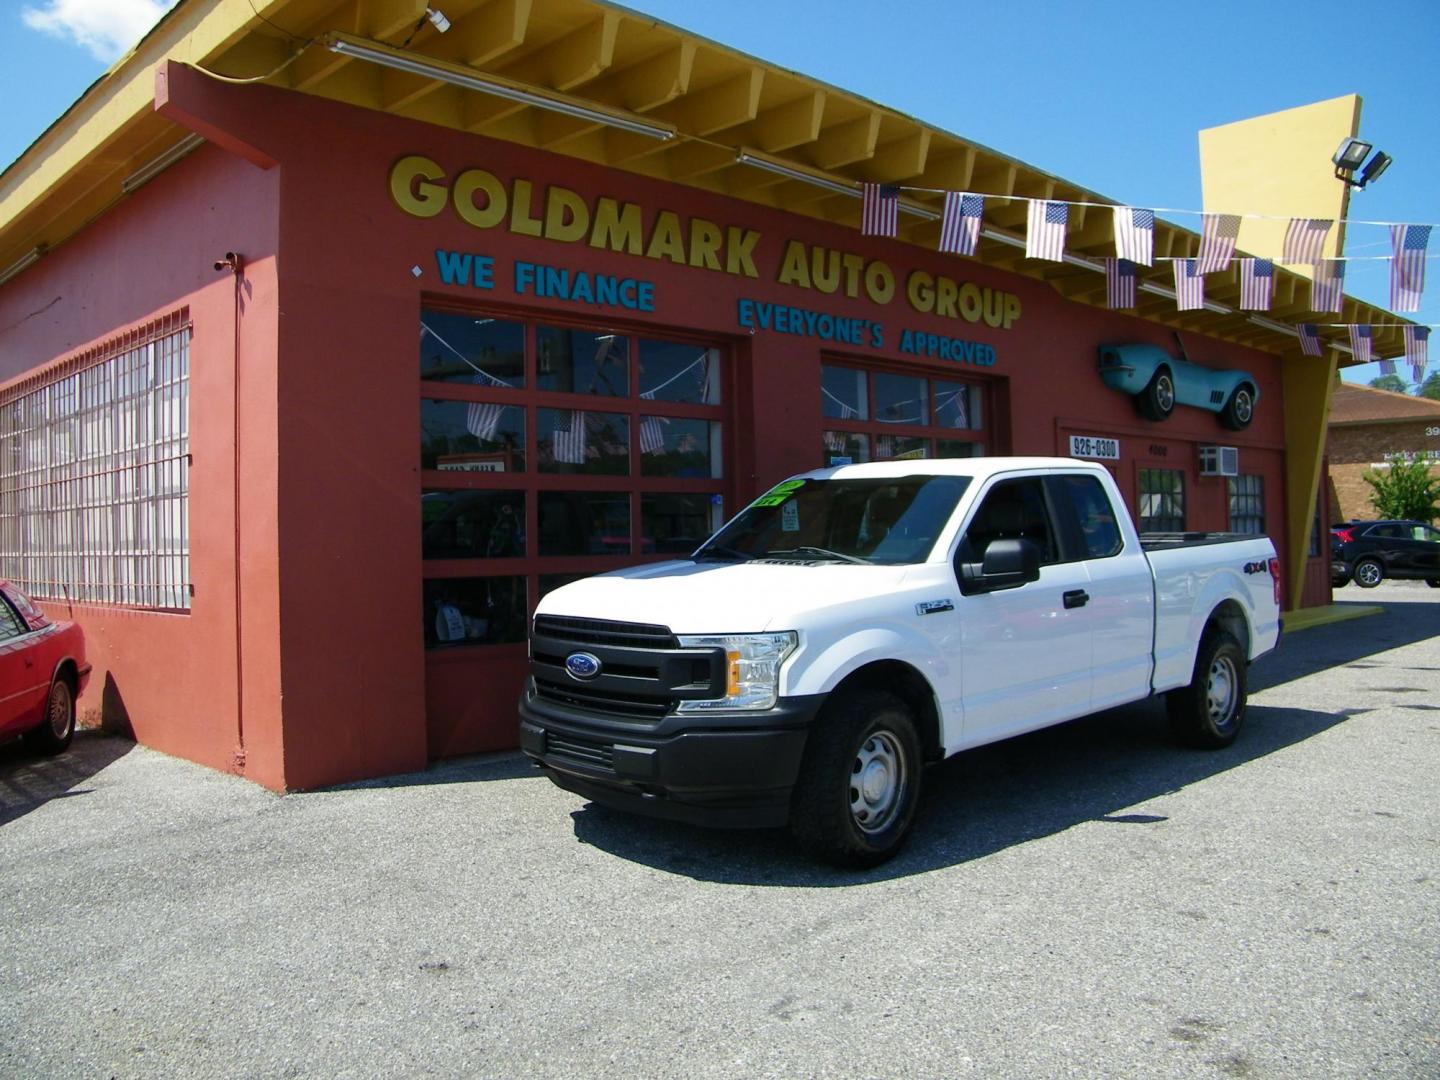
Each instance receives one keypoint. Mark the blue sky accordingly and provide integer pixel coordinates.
(1108, 95)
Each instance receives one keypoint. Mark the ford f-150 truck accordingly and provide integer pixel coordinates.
(857, 622)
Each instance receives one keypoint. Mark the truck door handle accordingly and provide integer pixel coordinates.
(1076, 598)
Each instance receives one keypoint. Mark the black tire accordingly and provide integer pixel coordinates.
(1339, 582)
(1433, 582)
(1157, 400)
(859, 781)
(1239, 410)
(58, 728)
(1368, 573)
(1209, 713)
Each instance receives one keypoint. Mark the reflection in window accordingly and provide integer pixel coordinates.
(674, 446)
(677, 524)
(957, 405)
(846, 448)
(469, 349)
(584, 523)
(671, 371)
(900, 446)
(901, 399)
(551, 582)
(474, 611)
(577, 441)
(582, 361)
(471, 436)
(842, 394)
(1162, 500)
(1247, 504)
(472, 524)
(957, 448)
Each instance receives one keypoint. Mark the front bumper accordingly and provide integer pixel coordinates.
(733, 770)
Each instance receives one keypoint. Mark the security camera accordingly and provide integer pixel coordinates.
(231, 261)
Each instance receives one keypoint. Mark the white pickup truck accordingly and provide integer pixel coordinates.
(855, 623)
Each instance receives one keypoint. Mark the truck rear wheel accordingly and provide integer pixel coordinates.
(1208, 713)
(859, 782)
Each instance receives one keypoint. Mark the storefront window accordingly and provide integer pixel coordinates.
(843, 394)
(678, 446)
(474, 611)
(901, 399)
(678, 524)
(673, 371)
(460, 436)
(957, 406)
(578, 441)
(1162, 500)
(846, 448)
(1247, 504)
(584, 523)
(471, 349)
(946, 414)
(582, 361)
(472, 524)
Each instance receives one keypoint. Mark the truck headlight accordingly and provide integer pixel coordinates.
(752, 668)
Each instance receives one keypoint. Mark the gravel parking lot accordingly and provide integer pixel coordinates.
(1085, 901)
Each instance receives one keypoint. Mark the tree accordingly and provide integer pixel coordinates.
(1431, 386)
(1393, 383)
(1406, 490)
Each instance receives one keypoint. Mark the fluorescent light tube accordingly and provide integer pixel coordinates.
(446, 73)
(21, 264)
(840, 187)
(157, 165)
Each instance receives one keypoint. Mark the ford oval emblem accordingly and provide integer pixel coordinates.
(582, 665)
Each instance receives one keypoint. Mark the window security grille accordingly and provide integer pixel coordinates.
(94, 474)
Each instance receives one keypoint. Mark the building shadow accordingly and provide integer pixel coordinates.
(29, 781)
(476, 768)
(979, 802)
(1348, 644)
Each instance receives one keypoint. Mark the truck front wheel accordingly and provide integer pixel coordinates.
(859, 782)
(1208, 713)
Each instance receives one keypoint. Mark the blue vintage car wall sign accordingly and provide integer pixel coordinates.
(1158, 382)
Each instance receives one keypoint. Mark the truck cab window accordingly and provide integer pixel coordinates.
(1012, 510)
(1099, 533)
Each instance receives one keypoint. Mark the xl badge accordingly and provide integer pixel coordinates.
(582, 665)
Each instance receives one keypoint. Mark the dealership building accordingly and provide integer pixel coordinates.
(316, 376)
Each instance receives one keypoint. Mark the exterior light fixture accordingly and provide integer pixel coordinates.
(839, 187)
(1352, 155)
(437, 19)
(155, 166)
(468, 79)
(21, 264)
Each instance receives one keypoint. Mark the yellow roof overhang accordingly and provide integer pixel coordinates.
(717, 100)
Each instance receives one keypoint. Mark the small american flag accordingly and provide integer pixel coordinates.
(1257, 282)
(1217, 242)
(652, 436)
(960, 400)
(884, 447)
(1407, 268)
(1135, 236)
(960, 229)
(1417, 373)
(1045, 230)
(1387, 367)
(1305, 240)
(1309, 339)
(1360, 339)
(1189, 286)
(568, 441)
(482, 418)
(1120, 278)
(1327, 291)
(1417, 346)
(879, 209)
(835, 442)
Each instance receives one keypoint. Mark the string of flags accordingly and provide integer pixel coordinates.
(1048, 219)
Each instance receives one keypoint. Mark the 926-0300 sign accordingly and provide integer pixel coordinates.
(1095, 446)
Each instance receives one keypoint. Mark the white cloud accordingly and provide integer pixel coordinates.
(105, 27)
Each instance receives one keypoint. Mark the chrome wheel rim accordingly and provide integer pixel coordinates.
(1164, 393)
(877, 782)
(60, 710)
(1369, 573)
(1221, 689)
(1243, 406)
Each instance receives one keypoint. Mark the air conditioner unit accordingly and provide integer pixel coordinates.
(1219, 461)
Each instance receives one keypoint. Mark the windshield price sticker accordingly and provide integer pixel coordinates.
(1094, 446)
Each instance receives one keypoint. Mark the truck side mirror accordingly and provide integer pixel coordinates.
(1008, 564)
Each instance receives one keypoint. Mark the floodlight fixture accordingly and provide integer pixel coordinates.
(1374, 167)
(1351, 156)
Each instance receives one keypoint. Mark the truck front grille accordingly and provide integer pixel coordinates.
(582, 751)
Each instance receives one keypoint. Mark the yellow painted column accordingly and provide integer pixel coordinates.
(1307, 382)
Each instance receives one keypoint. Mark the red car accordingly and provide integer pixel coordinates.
(42, 671)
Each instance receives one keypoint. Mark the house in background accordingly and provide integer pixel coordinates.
(1368, 426)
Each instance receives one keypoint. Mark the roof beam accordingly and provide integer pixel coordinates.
(651, 82)
(848, 142)
(795, 122)
(723, 105)
(902, 158)
(573, 59)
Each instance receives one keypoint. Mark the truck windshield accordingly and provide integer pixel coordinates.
(886, 520)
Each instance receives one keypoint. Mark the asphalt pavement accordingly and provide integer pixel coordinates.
(1086, 901)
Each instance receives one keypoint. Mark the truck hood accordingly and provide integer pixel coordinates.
(721, 598)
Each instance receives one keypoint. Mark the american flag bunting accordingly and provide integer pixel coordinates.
(1135, 235)
(1045, 230)
(652, 435)
(879, 209)
(1407, 268)
(960, 227)
(482, 418)
(1327, 291)
(1189, 286)
(1257, 283)
(1417, 374)
(1305, 240)
(1417, 346)
(1309, 339)
(1360, 341)
(568, 442)
(1120, 278)
(1217, 242)
(1387, 367)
